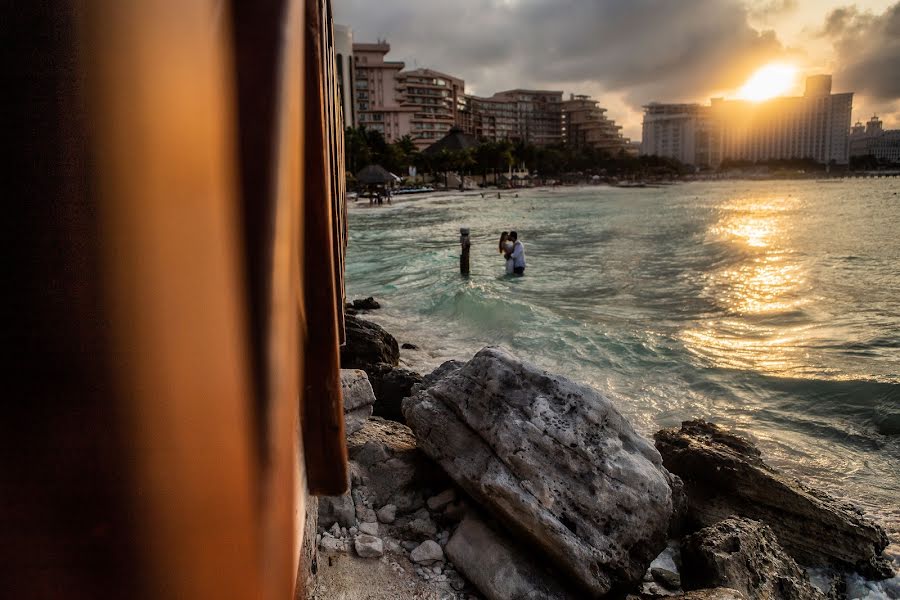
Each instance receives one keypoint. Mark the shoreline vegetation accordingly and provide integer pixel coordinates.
(507, 164)
(494, 479)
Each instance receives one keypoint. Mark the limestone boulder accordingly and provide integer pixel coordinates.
(498, 567)
(359, 399)
(554, 461)
(724, 475)
(743, 554)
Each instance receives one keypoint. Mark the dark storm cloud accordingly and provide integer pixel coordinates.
(868, 48)
(646, 49)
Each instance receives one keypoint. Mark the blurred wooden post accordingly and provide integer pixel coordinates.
(466, 245)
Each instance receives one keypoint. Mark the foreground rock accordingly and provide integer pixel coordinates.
(554, 461)
(724, 475)
(498, 568)
(387, 465)
(744, 555)
(367, 345)
(359, 399)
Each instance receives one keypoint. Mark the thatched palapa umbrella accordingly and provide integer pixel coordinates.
(374, 175)
(455, 141)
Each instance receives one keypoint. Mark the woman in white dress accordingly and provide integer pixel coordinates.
(506, 247)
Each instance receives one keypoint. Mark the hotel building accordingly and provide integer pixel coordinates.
(815, 125)
(375, 85)
(435, 99)
(585, 124)
(532, 116)
(423, 104)
(872, 140)
(679, 131)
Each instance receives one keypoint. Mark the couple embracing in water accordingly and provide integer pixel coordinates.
(514, 252)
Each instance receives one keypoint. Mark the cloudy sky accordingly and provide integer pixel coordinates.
(629, 52)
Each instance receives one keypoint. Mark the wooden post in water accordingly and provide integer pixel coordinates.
(465, 244)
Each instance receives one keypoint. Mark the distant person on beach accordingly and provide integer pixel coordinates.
(517, 256)
(506, 248)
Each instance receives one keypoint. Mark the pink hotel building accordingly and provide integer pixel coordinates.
(422, 103)
(425, 104)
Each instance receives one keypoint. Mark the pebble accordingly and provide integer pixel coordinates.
(409, 545)
(331, 545)
(335, 530)
(369, 528)
(423, 527)
(368, 546)
(387, 514)
(427, 552)
(366, 515)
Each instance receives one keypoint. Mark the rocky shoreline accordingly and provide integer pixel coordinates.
(494, 479)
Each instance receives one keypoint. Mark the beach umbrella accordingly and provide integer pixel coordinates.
(455, 141)
(374, 175)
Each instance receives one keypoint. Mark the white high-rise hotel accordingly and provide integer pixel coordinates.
(815, 125)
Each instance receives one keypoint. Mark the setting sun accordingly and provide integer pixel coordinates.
(768, 81)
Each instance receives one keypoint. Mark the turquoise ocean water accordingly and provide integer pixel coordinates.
(768, 307)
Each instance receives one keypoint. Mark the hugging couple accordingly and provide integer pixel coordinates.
(514, 252)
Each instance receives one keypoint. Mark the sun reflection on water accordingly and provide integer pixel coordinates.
(759, 295)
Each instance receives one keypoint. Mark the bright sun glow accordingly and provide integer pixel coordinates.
(768, 81)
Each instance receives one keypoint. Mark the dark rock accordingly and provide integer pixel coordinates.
(337, 509)
(367, 345)
(724, 475)
(553, 460)
(499, 568)
(369, 303)
(744, 555)
(408, 346)
(391, 386)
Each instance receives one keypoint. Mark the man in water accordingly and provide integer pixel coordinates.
(517, 254)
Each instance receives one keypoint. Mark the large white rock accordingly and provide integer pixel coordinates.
(553, 460)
